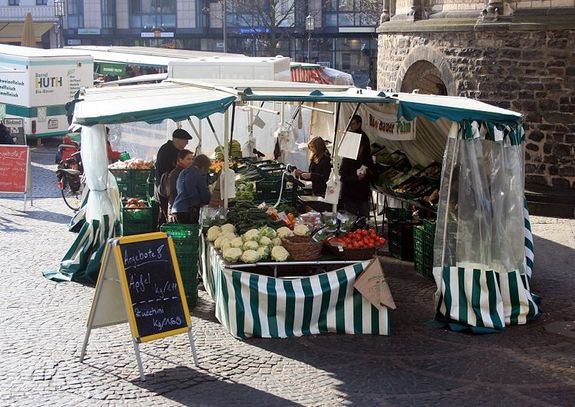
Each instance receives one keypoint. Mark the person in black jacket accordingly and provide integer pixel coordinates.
(166, 162)
(319, 169)
(356, 175)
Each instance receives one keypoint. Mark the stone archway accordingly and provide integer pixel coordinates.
(427, 70)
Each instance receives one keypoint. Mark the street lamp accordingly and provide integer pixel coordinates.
(309, 27)
(59, 11)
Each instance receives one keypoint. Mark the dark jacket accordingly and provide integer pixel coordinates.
(351, 188)
(320, 174)
(165, 162)
(171, 187)
(193, 192)
(5, 135)
(166, 159)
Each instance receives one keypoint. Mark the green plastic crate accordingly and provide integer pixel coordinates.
(137, 220)
(423, 239)
(398, 214)
(185, 238)
(400, 240)
(134, 183)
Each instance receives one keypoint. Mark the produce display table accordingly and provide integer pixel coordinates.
(254, 305)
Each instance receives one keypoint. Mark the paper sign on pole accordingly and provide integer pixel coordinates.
(373, 286)
(349, 146)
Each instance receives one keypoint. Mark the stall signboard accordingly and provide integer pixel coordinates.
(140, 283)
(14, 168)
(386, 125)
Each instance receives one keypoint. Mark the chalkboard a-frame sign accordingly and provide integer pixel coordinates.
(140, 283)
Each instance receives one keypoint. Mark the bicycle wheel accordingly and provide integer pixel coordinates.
(72, 199)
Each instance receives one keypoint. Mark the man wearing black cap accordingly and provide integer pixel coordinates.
(166, 162)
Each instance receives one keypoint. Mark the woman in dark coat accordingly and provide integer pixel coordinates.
(319, 166)
(356, 175)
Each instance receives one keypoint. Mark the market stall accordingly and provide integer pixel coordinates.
(481, 266)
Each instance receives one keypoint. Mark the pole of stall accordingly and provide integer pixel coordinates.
(336, 159)
(224, 182)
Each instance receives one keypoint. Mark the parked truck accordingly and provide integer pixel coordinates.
(36, 84)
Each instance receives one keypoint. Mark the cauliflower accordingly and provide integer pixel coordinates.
(263, 252)
(228, 228)
(279, 253)
(266, 231)
(277, 241)
(237, 242)
(250, 256)
(232, 254)
(252, 234)
(225, 245)
(230, 236)
(265, 241)
(213, 233)
(219, 241)
(284, 232)
(301, 230)
(251, 245)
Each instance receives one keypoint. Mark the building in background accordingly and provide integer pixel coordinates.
(45, 21)
(514, 54)
(343, 36)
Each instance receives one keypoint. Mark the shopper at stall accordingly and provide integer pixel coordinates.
(168, 186)
(192, 191)
(166, 162)
(356, 175)
(319, 169)
(5, 136)
(113, 155)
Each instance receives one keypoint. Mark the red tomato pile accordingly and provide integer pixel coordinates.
(360, 239)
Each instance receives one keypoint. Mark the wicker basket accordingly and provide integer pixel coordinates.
(302, 248)
(351, 254)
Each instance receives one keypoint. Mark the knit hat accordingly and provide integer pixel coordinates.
(182, 134)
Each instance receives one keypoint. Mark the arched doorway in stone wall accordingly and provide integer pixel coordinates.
(424, 77)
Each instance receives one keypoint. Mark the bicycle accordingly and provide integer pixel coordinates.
(70, 174)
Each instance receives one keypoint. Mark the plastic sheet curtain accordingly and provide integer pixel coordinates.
(483, 251)
(100, 212)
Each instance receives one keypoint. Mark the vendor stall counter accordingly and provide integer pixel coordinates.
(254, 305)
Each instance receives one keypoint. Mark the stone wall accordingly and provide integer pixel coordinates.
(532, 72)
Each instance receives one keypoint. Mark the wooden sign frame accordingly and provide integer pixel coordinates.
(112, 303)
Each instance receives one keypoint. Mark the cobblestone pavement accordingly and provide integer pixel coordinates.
(42, 327)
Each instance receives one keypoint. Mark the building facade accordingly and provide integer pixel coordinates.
(342, 35)
(518, 55)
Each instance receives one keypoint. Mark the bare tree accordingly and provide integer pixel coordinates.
(265, 21)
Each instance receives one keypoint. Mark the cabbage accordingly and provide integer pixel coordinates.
(213, 233)
(237, 242)
(279, 253)
(218, 243)
(252, 234)
(232, 254)
(229, 235)
(265, 241)
(263, 252)
(284, 232)
(301, 230)
(250, 256)
(277, 241)
(266, 231)
(251, 245)
(228, 228)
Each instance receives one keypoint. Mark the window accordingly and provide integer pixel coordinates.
(13, 2)
(41, 2)
(150, 14)
(75, 13)
(108, 13)
(352, 13)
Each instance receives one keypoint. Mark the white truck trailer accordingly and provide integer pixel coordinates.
(36, 84)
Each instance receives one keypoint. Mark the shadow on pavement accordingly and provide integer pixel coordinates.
(184, 385)
(6, 225)
(44, 215)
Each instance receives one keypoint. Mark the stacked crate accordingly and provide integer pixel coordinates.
(185, 238)
(400, 233)
(136, 184)
(423, 239)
